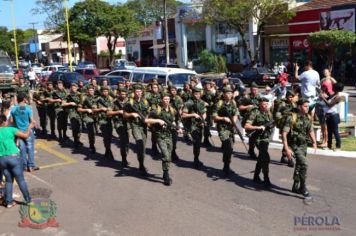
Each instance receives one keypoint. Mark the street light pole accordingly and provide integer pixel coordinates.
(68, 37)
(166, 31)
(14, 29)
(35, 38)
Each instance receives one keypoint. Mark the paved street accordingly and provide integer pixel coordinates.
(96, 197)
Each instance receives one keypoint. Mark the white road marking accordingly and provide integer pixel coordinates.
(99, 231)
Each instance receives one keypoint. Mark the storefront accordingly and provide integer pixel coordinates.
(279, 50)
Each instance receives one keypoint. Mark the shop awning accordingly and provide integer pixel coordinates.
(158, 46)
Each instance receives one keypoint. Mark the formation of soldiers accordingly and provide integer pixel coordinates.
(168, 112)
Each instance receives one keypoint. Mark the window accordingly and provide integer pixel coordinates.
(115, 73)
(149, 77)
(126, 74)
(179, 79)
(137, 77)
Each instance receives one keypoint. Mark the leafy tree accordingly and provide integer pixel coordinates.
(212, 62)
(53, 9)
(332, 40)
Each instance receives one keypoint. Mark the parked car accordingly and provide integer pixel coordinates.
(260, 75)
(67, 77)
(124, 72)
(48, 70)
(218, 81)
(130, 65)
(88, 73)
(87, 64)
(37, 68)
(112, 80)
(168, 65)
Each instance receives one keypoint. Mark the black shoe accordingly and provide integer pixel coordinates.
(175, 157)
(257, 179)
(65, 137)
(167, 180)
(198, 164)
(295, 188)
(291, 163)
(267, 182)
(252, 154)
(92, 150)
(143, 170)
(124, 162)
(303, 190)
(207, 143)
(226, 169)
(154, 150)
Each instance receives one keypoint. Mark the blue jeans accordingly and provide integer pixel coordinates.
(27, 151)
(12, 168)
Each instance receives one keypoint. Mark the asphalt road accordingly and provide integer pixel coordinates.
(98, 197)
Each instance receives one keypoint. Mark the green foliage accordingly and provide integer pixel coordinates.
(6, 36)
(333, 38)
(212, 62)
(53, 9)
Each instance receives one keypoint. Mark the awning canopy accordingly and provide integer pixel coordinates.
(158, 46)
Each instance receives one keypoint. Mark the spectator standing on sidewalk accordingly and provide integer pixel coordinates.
(21, 117)
(32, 77)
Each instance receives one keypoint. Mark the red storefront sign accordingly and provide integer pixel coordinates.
(299, 42)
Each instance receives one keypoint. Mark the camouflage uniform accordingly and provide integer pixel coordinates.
(153, 100)
(210, 98)
(177, 104)
(24, 89)
(74, 116)
(61, 114)
(89, 102)
(260, 118)
(51, 113)
(38, 97)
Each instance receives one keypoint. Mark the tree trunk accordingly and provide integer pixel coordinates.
(257, 50)
(110, 47)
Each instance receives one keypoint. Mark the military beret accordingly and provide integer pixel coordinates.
(254, 85)
(227, 89)
(74, 84)
(263, 99)
(301, 101)
(196, 89)
(290, 93)
(137, 86)
(104, 88)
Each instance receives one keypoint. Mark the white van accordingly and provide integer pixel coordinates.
(163, 74)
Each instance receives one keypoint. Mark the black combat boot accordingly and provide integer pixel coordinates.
(257, 179)
(295, 187)
(124, 161)
(267, 182)
(252, 154)
(143, 169)
(207, 143)
(175, 157)
(226, 169)
(167, 180)
(110, 155)
(197, 163)
(303, 189)
(92, 149)
(154, 149)
(60, 137)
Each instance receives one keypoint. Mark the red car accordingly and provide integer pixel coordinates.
(88, 73)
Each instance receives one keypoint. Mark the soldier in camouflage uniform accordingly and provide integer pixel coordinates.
(246, 105)
(23, 88)
(88, 108)
(163, 120)
(297, 128)
(154, 98)
(71, 103)
(58, 97)
(120, 123)
(194, 112)
(282, 109)
(137, 124)
(51, 113)
(38, 98)
(256, 122)
(186, 95)
(104, 104)
(177, 103)
(209, 97)
(224, 110)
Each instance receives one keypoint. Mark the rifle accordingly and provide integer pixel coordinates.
(141, 116)
(169, 124)
(202, 121)
(269, 125)
(234, 125)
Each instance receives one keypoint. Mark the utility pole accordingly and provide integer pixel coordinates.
(166, 38)
(35, 38)
(68, 36)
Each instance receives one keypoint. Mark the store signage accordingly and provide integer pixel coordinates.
(279, 43)
(338, 19)
(300, 43)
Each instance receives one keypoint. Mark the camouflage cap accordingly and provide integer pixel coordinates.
(173, 87)
(165, 94)
(254, 85)
(122, 90)
(290, 93)
(196, 90)
(137, 86)
(104, 88)
(90, 87)
(74, 84)
(207, 81)
(263, 99)
(301, 101)
(227, 89)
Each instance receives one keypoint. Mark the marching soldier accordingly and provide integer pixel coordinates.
(194, 112)
(71, 103)
(297, 128)
(177, 104)
(154, 98)
(51, 113)
(135, 111)
(164, 120)
(225, 113)
(186, 93)
(209, 98)
(23, 88)
(246, 106)
(120, 123)
(58, 97)
(38, 98)
(89, 108)
(260, 123)
(104, 104)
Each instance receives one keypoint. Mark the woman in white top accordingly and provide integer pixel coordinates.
(332, 115)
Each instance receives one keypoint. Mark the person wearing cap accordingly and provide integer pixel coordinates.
(154, 98)
(104, 104)
(38, 98)
(283, 108)
(51, 113)
(209, 97)
(296, 130)
(186, 95)
(22, 88)
(88, 108)
(247, 104)
(224, 110)
(137, 104)
(160, 120)
(71, 103)
(177, 103)
(194, 111)
(256, 122)
(120, 124)
(58, 96)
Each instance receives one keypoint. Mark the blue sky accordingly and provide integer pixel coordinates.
(23, 13)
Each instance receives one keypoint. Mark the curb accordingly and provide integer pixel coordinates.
(275, 145)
